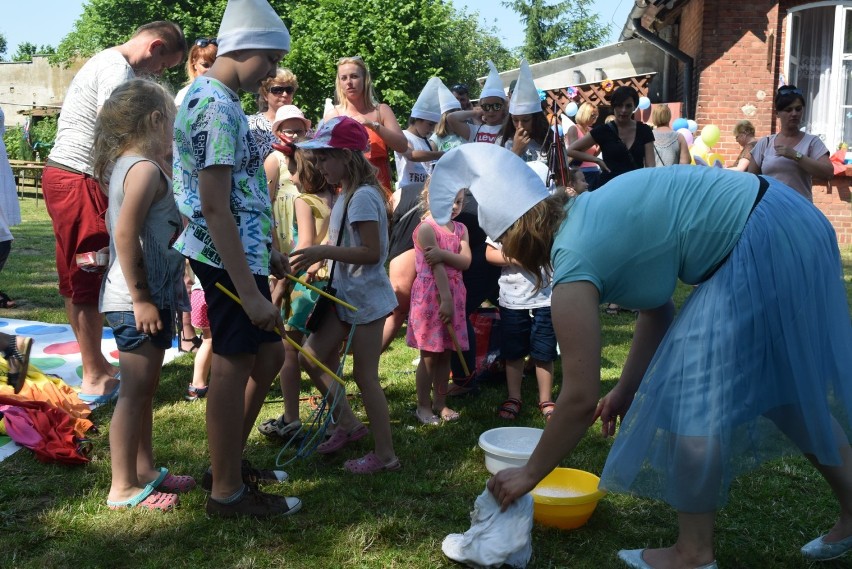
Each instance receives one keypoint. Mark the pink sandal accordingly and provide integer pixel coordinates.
(340, 438)
(171, 483)
(370, 463)
(148, 499)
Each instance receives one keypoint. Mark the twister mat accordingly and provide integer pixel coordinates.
(56, 352)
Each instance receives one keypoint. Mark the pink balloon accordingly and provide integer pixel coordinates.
(687, 135)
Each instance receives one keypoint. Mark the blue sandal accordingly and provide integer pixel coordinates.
(95, 401)
(148, 499)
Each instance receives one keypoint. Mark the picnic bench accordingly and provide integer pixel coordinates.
(27, 174)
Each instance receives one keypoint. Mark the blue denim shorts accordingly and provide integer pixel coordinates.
(527, 332)
(128, 338)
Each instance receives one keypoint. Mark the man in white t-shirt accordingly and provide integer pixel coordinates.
(73, 197)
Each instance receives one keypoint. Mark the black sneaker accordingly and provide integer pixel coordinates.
(251, 476)
(256, 504)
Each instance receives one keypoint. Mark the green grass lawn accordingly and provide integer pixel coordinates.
(56, 517)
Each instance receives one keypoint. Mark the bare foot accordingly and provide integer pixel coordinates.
(448, 414)
(672, 558)
(101, 386)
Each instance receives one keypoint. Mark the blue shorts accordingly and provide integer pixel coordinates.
(527, 332)
(128, 338)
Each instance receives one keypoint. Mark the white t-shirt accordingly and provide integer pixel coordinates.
(517, 286)
(89, 89)
(408, 172)
(484, 133)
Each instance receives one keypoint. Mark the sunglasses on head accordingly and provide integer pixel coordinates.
(281, 89)
(492, 106)
(790, 91)
(204, 42)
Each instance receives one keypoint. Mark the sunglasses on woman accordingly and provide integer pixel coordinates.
(204, 42)
(492, 107)
(281, 89)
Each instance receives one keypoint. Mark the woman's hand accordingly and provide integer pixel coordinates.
(510, 484)
(433, 255)
(147, 317)
(612, 409)
(785, 151)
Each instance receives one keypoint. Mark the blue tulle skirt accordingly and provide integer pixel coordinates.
(757, 365)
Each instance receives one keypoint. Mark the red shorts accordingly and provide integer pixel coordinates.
(198, 316)
(77, 207)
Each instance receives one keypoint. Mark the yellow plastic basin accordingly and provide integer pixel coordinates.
(566, 498)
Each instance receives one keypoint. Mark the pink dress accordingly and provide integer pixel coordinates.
(425, 329)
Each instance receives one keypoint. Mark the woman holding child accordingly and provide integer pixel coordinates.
(729, 383)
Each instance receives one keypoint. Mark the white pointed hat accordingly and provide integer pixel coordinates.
(447, 100)
(251, 24)
(493, 84)
(525, 99)
(504, 186)
(427, 106)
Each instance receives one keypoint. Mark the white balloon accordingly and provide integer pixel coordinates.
(571, 109)
(693, 126)
(644, 103)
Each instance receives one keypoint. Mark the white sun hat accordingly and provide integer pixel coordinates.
(504, 186)
(251, 24)
(493, 84)
(525, 98)
(427, 106)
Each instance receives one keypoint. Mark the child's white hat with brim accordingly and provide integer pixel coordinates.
(525, 98)
(428, 107)
(504, 186)
(251, 24)
(493, 84)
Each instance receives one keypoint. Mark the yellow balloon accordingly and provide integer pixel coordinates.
(710, 135)
(716, 160)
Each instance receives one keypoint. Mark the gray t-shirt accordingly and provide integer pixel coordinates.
(163, 264)
(89, 89)
(367, 287)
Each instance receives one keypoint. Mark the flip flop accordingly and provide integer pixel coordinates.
(370, 463)
(430, 420)
(341, 438)
(95, 401)
(171, 483)
(148, 499)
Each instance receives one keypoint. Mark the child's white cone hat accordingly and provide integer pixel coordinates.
(525, 99)
(427, 106)
(251, 24)
(493, 84)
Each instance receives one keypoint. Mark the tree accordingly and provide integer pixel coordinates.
(27, 50)
(404, 42)
(553, 30)
(2, 46)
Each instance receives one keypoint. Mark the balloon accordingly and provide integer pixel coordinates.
(644, 103)
(571, 109)
(699, 147)
(691, 125)
(686, 134)
(680, 123)
(715, 160)
(710, 134)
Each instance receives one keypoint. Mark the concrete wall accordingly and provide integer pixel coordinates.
(31, 84)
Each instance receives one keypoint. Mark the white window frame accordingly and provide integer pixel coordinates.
(835, 114)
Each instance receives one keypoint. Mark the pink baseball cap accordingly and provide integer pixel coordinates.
(339, 132)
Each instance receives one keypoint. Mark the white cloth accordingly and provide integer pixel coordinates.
(502, 183)
(525, 99)
(493, 84)
(251, 24)
(407, 171)
(495, 538)
(427, 106)
(517, 286)
(9, 206)
(90, 88)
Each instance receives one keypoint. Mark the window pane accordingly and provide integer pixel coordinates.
(813, 74)
(847, 83)
(847, 40)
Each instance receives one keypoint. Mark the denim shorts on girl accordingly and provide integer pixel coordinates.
(527, 332)
(128, 338)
